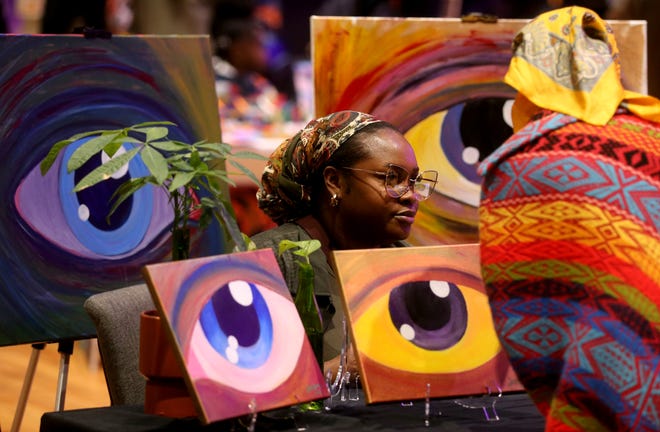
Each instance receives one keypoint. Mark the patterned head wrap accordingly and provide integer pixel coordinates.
(286, 183)
(567, 61)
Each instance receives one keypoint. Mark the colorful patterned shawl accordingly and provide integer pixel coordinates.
(570, 249)
(570, 230)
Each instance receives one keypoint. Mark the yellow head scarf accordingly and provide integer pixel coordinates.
(567, 61)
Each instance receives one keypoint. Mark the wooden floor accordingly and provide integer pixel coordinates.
(85, 384)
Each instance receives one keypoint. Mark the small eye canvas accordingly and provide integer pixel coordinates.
(236, 333)
(420, 321)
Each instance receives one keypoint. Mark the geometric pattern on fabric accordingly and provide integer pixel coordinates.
(589, 276)
(590, 344)
(538, 174)
(569, 226)
(582, 223)
(588, 267)
(529, 133)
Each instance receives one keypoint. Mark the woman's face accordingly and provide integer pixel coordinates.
(368, 215)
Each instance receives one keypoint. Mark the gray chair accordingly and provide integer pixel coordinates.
(116, 316)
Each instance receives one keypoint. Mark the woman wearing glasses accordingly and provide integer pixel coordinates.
(352, 182)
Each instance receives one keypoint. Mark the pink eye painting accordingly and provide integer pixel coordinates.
(237, 333)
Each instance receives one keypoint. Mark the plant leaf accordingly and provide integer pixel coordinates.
(227, 220)
(245, 170)
(154, 133)
(250, 245)
(304, 247)
(124, 191)
(180, 179)
(169, 146)
(202, 168)
(248, 155)
(102, 172)
(111, 148)
(220, 148)
(54, 151)
(220, 175)
(156, 163)
(151, 123)
(179, 164)
(87, 150)
(194, 160)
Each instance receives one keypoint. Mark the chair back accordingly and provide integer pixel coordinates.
(116, 316)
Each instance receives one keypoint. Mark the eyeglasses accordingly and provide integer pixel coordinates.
(398, 181)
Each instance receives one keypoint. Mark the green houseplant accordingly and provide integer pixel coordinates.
(305, 302)
(194, 178)
(192, 174)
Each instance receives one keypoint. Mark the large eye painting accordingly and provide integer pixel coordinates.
(56, 246)
(77, 221)
(241, 339)
(441, 84)
(451, 142)
(238, 332)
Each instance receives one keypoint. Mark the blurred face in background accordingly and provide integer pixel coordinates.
(248, 53)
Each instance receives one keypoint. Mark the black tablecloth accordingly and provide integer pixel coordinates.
(516, 413)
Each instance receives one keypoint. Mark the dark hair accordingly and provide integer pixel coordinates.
(349, 153)
(232, 31)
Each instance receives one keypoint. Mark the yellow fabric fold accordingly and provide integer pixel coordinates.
(567, 61)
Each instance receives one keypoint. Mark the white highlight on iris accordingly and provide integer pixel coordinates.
(470, 155)
(83, 212)
(506, 112)
(407, 332)
(241, 292)
(123, 169)
(439, 288)
(232, 349)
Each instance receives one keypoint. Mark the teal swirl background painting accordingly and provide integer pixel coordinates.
(56, 247)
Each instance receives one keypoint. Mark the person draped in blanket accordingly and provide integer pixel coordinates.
(570, 229)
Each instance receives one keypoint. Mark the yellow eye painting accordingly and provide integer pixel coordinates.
(418, 316)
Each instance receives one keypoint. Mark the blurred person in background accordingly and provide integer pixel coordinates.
(8, 19)
(119, 16)
(172, 16)
(66, 16)
(70, 16)
(279, 70)
(240, 63)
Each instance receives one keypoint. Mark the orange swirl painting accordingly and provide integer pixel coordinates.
(440, 81)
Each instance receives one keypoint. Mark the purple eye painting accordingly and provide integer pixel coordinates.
(56, 246)
(430, 314)
(237, 333)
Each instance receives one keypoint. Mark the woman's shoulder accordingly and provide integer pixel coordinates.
(273, 236)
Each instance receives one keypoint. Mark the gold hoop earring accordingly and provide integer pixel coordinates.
(334, 200)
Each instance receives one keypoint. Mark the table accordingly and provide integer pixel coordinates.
(516, 412)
